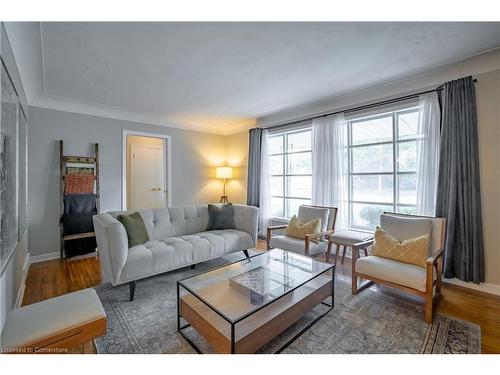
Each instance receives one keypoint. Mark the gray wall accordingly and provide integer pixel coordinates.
(194, 155)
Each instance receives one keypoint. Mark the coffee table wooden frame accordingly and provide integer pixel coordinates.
(272, 328)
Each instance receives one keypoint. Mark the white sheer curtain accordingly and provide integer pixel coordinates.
(329, 164)
(265, 186)
(428, 153)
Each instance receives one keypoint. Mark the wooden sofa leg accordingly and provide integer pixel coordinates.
(246, 253)
(132, 290)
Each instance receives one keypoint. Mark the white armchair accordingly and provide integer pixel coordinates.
(312, 244)
(423, 282)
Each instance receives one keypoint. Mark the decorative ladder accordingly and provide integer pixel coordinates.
(76, 162)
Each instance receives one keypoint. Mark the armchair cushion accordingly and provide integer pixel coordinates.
(393, 271)
(412, 251)
(308, 213)
(404, 228)
(299, 230)
(297, 246)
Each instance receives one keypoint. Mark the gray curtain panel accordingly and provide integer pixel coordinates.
(458, 193)
(254, 159)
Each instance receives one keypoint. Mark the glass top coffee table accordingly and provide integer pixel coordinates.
(241, 306)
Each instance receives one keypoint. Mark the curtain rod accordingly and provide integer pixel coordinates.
(362, 107)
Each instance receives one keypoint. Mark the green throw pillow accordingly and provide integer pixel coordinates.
(220, 217)
(135, 228)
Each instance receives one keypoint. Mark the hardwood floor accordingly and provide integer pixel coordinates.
(53, 278)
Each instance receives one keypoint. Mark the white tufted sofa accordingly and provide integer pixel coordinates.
(178, 238)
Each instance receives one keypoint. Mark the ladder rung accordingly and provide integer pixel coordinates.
(79, 159)
(78, 236)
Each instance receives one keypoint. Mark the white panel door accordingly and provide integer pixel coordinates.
(147, 177)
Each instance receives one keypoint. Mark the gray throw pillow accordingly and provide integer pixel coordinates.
(220, 217)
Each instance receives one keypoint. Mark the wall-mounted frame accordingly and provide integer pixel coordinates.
(13, 156)
(9, 124)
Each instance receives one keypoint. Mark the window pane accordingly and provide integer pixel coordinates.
(367, 215)
(407, 210)
(299, 141)
(372, 159)
(407, 188)
(299, 163)
(276, 164)
(372, 131)
(408, 125)
(373, 188)
(277, 207)
(277, 186)
(299, 186)
(407, 156)
(276, 144)
(293, 206)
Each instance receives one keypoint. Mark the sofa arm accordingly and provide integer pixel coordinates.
(246, 218)
(112, 244)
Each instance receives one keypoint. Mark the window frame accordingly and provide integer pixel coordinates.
(285, 170)
(396, 205)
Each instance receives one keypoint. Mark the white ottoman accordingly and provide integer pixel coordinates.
(56, 324)
(348, 238)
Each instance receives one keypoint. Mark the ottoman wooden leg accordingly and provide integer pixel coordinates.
(337, 251)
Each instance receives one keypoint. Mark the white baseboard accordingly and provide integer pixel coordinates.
(483, 287)
(44, 257)
(20, 293)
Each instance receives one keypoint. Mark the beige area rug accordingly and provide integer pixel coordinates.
(371, 322)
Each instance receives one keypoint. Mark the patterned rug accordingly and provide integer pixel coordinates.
(371, 322)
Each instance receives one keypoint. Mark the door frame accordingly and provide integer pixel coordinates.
(168, 164)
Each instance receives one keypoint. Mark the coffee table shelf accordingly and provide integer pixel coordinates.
(233, 321)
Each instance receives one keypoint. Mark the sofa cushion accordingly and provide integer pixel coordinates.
(391, 270)
(297, 246)
(136, 230)
(220, 217)
(166, 254)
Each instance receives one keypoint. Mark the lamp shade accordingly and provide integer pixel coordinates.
(224, 172)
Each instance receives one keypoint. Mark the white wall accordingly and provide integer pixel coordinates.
(486, 68)
(194, 156)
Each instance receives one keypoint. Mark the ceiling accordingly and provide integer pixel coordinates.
(220, 77)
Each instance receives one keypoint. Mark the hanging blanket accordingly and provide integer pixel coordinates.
(79, 203)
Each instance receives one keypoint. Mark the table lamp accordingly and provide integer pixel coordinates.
(224, 173)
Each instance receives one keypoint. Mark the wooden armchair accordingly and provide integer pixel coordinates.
(312, 244)
(420, 281)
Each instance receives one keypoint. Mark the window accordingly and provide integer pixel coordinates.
(290, 165)
(382, 166)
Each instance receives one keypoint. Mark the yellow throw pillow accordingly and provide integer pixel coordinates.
(298, 230)
(412, 251)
